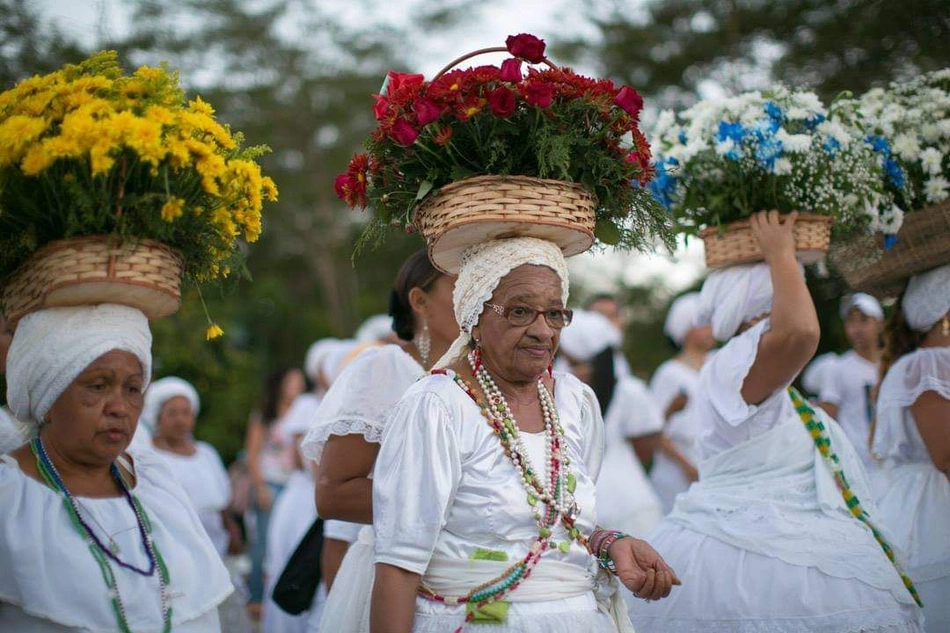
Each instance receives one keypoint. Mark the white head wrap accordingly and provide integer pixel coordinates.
(865, 303)
(337, 355)
(482, 267)
(315, 361)
(52, 347)
(376, 328)
(734, 295)
(589, 334)
(927, 298)
(682, 317)
(814, 375)
(160, 392)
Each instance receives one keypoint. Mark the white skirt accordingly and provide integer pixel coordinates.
(347, 607)
(730, 590)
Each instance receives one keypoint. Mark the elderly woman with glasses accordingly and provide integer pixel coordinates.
(483, 496)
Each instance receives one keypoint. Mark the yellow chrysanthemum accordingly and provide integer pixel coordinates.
(16, 133)
(173, 209)
(214, 331)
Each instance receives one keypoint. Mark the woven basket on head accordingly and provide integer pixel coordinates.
(735, 244)
(94, 270)
(485, 208)
(923, 242)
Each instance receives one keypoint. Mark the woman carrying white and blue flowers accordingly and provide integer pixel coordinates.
(779, 533)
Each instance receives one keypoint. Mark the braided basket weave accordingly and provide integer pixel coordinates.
(923, 242)
(735, 244)
(483, 208)
(93, 270)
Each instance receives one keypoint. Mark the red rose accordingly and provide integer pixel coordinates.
(539, 94)
(395, 81)
(403, 133)
(502, 102)
(638, 159)
(379, 108)
(527, 47)
(340, 185)
(511, 70)
(426, 111)
(629, 100)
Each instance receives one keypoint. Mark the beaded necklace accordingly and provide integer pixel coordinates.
(822, 439)
(100, 552)
(551, 498)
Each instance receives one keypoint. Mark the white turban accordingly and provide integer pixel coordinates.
(163, 390)
(732, 296)
(337, 356)
(589, 334)
(482, 267)
(376, 328)
(52, 347)
(682, 317)
(927, 298)
(315, 361)
(865, 303)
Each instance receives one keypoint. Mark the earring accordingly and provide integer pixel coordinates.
(551, 370)
(423, 343)
(477, 353)
(945, 326)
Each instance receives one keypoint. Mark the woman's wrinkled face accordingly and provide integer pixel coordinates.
(521, 354)
(94, 420)
(176, 421)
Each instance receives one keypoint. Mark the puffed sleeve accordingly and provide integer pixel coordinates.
(414, 481)
(640, 415)
(722, 377)
(831, 386)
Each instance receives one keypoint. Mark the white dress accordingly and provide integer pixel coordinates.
(848, 384)
(445, 496)
(625, 498)
(52, 584)
(359, 402)
(764, 542)
(671, 379)
(915, 503)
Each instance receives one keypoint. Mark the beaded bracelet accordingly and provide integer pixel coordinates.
(593, 544)
(603, 557)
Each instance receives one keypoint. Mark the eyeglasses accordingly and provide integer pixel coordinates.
(523, 316)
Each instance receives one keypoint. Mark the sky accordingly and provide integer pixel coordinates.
(97, 21)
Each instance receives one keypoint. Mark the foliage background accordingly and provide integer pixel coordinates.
(308, 98)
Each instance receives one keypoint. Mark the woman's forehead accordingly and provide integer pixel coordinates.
(530, 280)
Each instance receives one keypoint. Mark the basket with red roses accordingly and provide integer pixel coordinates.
(505, 147)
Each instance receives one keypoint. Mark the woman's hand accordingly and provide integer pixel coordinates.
(776, 239)
(641, 569)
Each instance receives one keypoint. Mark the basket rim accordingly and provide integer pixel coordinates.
(456, 184)
(104, 237)
(746, 223)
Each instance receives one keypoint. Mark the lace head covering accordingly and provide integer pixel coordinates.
(589, 334)
(52, 347)
(682, 317)
(865, 303)
(482, 267)
(160, 392)
(927, 298)
(732, 296)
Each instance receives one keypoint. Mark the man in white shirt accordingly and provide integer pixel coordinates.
(846, 392)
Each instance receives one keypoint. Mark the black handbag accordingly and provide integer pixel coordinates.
(298, 583)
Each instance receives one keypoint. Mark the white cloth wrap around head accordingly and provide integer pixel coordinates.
(866, 305)
(589, 334)
(163, 390)
(682, 317)
(482, 267)
(315, 361)
(376, 328)
(734, 295)
(927, 298)
(52, 347)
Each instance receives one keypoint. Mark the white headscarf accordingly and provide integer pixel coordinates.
(734, 295)
(927, 298)
(482, 267)
(865, 303)
(163, 390)
(315, 361)
(589, 334)
(682, 317)
(335, 361)
(52, 347)
(376, 328)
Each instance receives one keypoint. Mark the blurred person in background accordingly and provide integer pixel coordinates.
(269, 462)
(912, 437)
(816, 373)
(13, 434)
(609, 307)
(674, 388)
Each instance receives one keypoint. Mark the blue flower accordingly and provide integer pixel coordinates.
(663, 186)
(682, 137)
(734, 131)
(880, 145)
(774, 111)
(814, 121)
(894, 172)
(889, 242)
(831, 146)
(765, 128)
(768, 150)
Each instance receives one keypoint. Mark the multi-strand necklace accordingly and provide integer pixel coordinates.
(104, 554)
(550, 496)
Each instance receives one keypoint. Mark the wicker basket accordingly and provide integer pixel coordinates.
(485, 208)
(735, 244)
(93, 270)
(923, 242)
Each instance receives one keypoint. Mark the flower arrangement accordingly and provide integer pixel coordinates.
(87, 150)
(724, 159)
(909, 126)
(504, 120)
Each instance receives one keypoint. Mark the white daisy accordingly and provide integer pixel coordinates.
(935, 189)
(931, 160)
